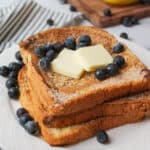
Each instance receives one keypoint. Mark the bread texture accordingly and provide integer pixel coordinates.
(63, 95)
(134, 112)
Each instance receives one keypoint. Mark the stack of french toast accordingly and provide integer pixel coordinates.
(69, 110)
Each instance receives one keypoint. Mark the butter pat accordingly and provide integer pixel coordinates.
(93, 57)
(67, 64)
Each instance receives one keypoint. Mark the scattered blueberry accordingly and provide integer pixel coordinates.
(118, 48)
(58, 47)
(126, 21)
(70, 43)
(44, 63)
(31, 127)
(50, 55)
(24, 119)
(124, 35)
(134, 20)
(107, 12)
(50, 22)
(20, 112)
(13, 74)
(119, 61)
(40, 51)
(101, 74)
(72, 8)
(85, 40)
(13, 92)
(81, 45)
(21, 63)
(102, 137)
(18, 56)
(112, 69)
(14, 66)
(11, 82)
(4, 71)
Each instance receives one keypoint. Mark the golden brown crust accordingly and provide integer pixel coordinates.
(63, 95)
(65, 136)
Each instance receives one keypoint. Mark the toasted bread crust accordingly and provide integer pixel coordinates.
(65, 136)
(63, 95)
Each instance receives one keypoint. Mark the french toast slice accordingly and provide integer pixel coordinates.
(70, 134)
(64, 95)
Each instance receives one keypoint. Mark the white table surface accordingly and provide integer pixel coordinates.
(139, 34)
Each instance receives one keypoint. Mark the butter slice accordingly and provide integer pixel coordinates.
(67, 64)
(93, 57)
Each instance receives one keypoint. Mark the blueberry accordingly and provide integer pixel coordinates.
(31, 127)
(118, 48)
(50, 55)
(81, 45)
(44, 63)
(119, 61)
(11, 82)
(58, 47)
(72, 8)
(102, 137)
(13, 92)
(107, 12)
(85, 39)
(134, 20)
(14, 66)
(70, 43)
(13, 74)
(126, 21)
(40, 51)
(48, 46)
(124, 35)
(101, 74)
(20, 112)
(4, 71)
(24, 119)
(21, 63)
(50, 22)
(18, 56)
(112, 69)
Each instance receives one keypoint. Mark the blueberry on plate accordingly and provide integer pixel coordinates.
(85, 39)
(58, 47)
(14, 66)
(21, 63)
(102, 137)
(126, 21)
(112, 69)
(50, 21)
(20, 112)
(31, 127)
(72, 8)
(70, 43)
(11, 82)
(13, 74)
(124, 35)
(118, 48)
(119, 61)
(18, 56)
(107, 12)
(50, 55)
(101, 74)
(13, 92)
(40, 51)
(24, 119)
(44, 63)
(4, 71)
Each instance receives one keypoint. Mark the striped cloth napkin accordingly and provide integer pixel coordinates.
(26, 17)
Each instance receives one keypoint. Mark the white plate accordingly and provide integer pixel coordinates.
(14, 137)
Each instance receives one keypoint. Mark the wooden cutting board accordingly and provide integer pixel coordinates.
(93, 10)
